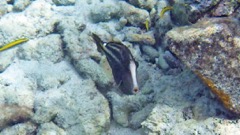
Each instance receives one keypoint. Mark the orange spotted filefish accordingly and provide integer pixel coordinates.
(122, 63)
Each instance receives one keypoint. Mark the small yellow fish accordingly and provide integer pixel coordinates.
(164, 10)
(12, 44)
(147, 24)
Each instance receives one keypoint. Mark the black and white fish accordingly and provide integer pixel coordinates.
(122, 63)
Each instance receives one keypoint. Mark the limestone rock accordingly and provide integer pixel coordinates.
(50, 128)
(104, 12)
(146, 4)
(45, 48)
(211, 49)
(97, 74)
(20, 5)
(24, 23)
(150, 51)
(135, 16)
(8, 56)
(26, 128)
(145, 38)
(225, 8)
(3, 7)
(64, 2)
(122, 106)
(12, 114)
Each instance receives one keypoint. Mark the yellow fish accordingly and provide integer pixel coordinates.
(164, 10)
(12, 44)
(147, 24)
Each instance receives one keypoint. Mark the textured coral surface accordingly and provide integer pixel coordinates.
(212, 49)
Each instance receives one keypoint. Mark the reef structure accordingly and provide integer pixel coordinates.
(211, 48)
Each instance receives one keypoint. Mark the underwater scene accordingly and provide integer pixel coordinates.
(119, 67)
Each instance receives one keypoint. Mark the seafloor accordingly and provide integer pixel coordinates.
(58, 83)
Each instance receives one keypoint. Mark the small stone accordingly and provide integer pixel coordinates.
(135, 16)
(172, 61)
(161, 62)
(10, 114)
(103, 13)
(50, 128)
(64, 2)
(20, 5)
(122, 106)
(26, 128)
(138, 117)
(146, 4)
(3, 7)
(150, 51)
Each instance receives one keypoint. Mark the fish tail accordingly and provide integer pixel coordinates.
(99, 42)
(12, 44)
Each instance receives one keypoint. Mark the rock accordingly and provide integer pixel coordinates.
(172, 95)
(171, 60)
(142, 74)
(123, 106)
(145, 38)
(13, 114)
(3, 7)
(20, 5)
(104, 12)
(161, 61)
(204, 6)
(78, 42)
(150, 51)
(138, 117)
(64, 2)
(97, 74)
(146, 4)
(211, 49)
(200, 8)
(225, 8)
(122, 23)
(227, 126)
(8, 56)
(59, 84)
(158, 122)
(16, 99)
(180, 14)
(135, 16)
(16, 88)
(45, 48)
(27, 23)
(117, 129)
(26, 128)
(81, 115)
(60, 96)
(50, 128)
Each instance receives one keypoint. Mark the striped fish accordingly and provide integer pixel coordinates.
(122, 63)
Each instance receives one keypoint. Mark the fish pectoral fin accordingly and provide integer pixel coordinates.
(118, 85)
